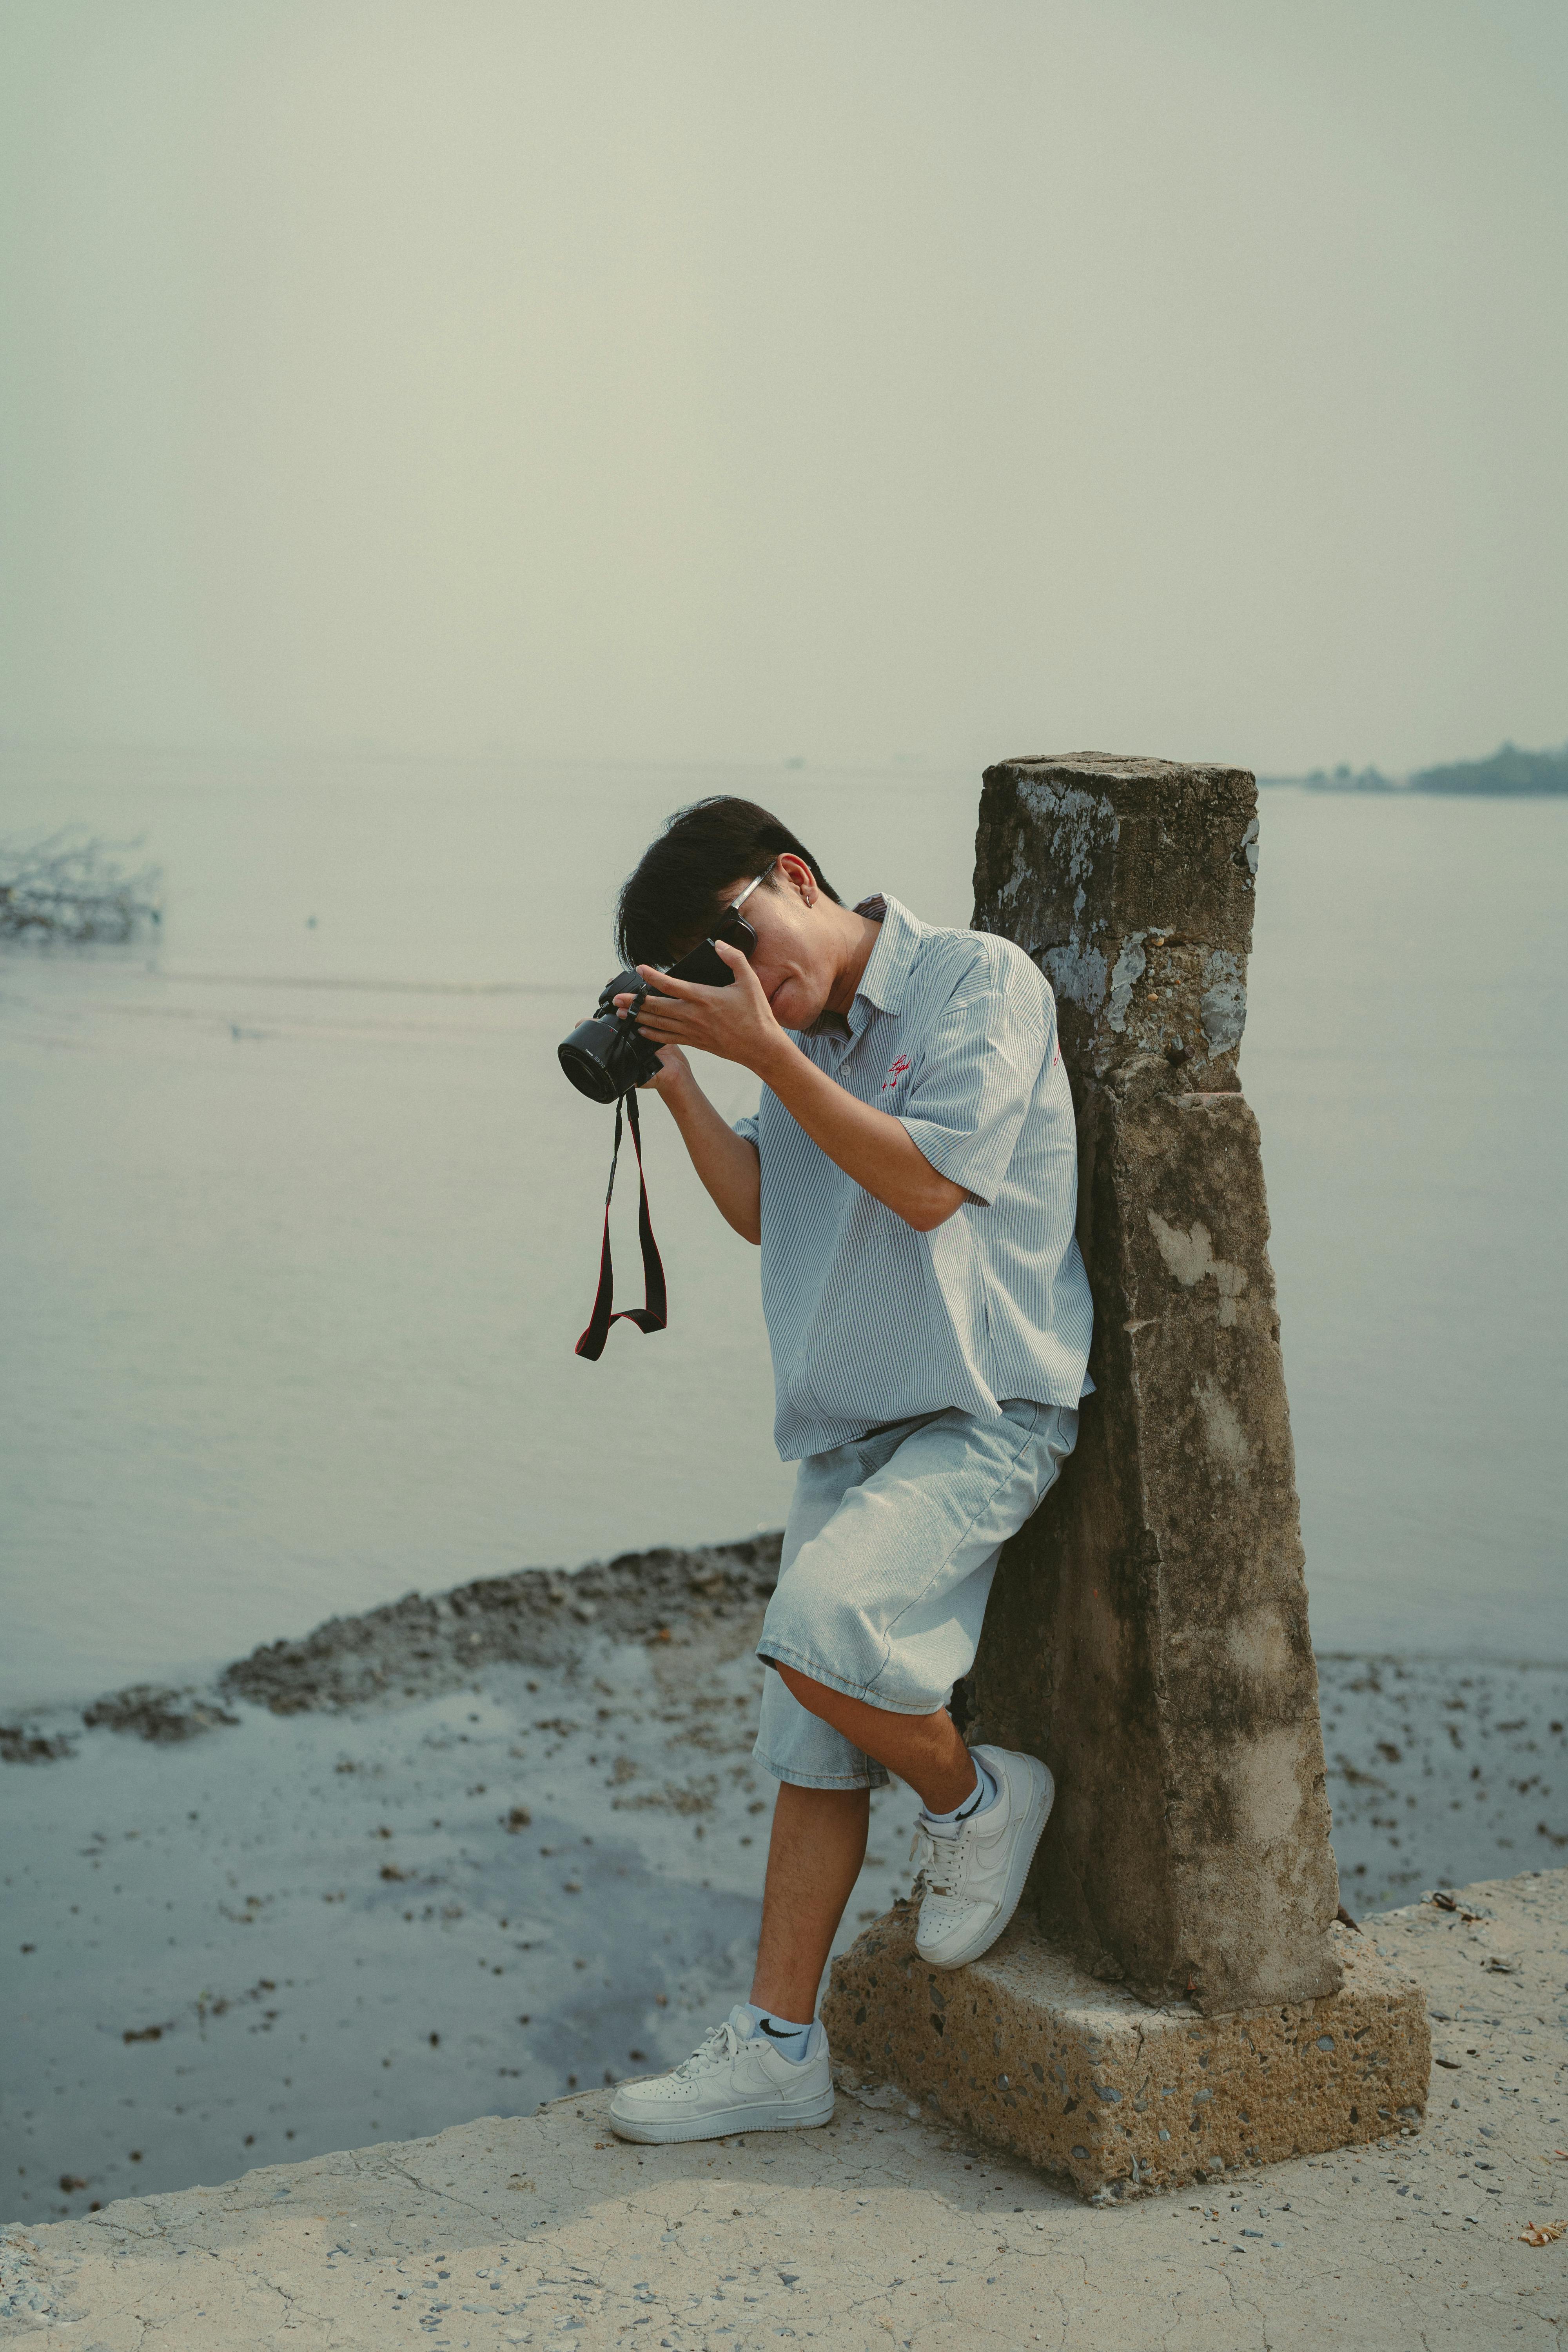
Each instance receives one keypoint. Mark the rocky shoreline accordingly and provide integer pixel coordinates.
(538, 1617)
(428, 1642)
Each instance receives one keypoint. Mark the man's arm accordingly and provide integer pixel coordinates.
(728, 1166)
(738, 1023)
(871, 1145)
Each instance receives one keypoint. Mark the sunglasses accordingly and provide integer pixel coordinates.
(703, 965)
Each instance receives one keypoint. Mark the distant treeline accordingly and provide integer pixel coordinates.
(1508, 771)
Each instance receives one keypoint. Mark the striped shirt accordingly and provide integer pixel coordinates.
(954, 1033)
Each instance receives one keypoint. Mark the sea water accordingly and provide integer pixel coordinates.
(299, 1220)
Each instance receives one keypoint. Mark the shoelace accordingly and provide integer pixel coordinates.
(715, 2048)
(929, 1852)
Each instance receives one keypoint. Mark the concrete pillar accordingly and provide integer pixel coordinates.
(1147, 1630)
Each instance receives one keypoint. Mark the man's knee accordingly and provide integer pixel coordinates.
(816, 1697)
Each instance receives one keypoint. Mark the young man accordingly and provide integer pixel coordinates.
(911, 1179)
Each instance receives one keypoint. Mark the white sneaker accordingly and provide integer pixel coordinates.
(731, 2082)
(971, 1882)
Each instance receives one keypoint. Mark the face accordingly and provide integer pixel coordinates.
(797, 952)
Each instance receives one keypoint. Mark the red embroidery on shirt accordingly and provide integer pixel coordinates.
(899, 1070)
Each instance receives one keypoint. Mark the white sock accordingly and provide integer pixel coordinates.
(781, 2034)
(980, 1800)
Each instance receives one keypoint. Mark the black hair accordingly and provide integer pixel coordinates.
(672, 900)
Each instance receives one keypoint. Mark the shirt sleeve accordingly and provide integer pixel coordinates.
(975, 1075)
(747, 1128)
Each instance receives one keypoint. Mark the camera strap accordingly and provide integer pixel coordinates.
(651, 1315)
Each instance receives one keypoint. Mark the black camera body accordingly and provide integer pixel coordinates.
(605, 1056)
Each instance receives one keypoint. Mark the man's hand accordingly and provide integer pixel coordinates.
(674, 1070)
(673, 1073)
(736, 1023)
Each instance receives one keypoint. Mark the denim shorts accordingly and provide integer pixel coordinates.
(889, 1552)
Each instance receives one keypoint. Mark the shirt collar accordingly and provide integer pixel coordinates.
(891, 961)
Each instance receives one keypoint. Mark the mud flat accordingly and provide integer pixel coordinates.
(433, 1876)
(877, 2230)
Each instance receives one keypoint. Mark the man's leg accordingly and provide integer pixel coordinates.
(882, 1570)
(818, 1843)
(814, 1860)
(750, 2075)
(925, 1751)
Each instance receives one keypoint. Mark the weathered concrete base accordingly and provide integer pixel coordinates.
(1082, 2079)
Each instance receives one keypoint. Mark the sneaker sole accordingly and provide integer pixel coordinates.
(1012, 1893)
(809, 2113)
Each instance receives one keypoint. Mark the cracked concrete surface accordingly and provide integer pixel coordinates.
(878, 2229)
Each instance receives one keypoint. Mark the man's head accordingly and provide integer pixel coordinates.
(699, 865)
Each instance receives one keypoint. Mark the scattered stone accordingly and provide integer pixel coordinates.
(152, 1713)
(1474, 1738)
(19, 1745)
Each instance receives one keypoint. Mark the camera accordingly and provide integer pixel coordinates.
(605, 1056)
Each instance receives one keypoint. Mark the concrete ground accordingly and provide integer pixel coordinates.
(879, 2231)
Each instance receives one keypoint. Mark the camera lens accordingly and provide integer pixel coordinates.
(593, 1058)
(605, 1056)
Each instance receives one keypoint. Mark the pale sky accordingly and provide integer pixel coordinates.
(736, 379)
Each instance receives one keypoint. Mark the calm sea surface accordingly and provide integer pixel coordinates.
(299, 1220)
